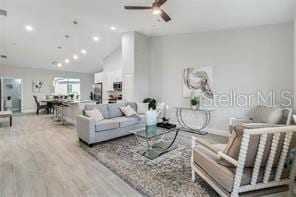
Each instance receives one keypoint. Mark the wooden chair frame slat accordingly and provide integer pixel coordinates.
(270, 161)
(258, 160)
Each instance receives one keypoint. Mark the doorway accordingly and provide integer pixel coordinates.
(11, 94)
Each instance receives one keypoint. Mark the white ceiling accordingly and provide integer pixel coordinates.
(52, 19)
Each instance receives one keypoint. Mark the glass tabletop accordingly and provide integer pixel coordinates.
(148, 132)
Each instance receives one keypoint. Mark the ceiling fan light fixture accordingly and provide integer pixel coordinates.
(156, 10)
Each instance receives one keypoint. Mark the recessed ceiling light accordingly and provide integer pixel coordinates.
(59, 65)
(67, 61)
(29, 28)
(96, 38)
(59, 47)
(67, 36)
(75, 57)
(113, 28)
(83, 51)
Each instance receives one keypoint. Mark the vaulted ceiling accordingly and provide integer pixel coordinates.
(51, 20)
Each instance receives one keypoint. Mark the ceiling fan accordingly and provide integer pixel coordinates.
(155, 9)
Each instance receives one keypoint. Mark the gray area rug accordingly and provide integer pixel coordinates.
(167, 175)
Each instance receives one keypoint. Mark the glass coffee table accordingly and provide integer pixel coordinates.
(154, 147)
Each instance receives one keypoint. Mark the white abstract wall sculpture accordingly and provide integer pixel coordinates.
(198, 82)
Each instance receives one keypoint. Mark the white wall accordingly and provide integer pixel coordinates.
(113, 62)
(128, 64)
(247, 60)
(142, 66)
(29, 74)
(135, 66)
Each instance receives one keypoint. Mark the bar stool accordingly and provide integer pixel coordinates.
(60, 112)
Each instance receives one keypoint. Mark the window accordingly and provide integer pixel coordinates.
(70, 90)
(66, 86)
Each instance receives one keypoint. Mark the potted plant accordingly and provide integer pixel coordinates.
(195, 103)
(165, 120)
(151, 103)
(71, 96)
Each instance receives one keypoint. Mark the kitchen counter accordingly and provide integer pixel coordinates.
(75, 108)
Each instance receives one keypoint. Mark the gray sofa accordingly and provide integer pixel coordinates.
(114, 125)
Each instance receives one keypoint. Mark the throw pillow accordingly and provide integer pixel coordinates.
(128, 111)
(235, 140)
(142, 108)
(265, 114)
(94, 114)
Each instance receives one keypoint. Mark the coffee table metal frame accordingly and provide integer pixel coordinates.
(152, 151)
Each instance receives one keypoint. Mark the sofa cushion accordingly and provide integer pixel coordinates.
(125, 121)
(132, 104)
(233, 147)
(103, 108)
(89, 107)
(142, 108)
(265, 114)
(106, 124)
(94, 114)
(114, 109)
(128, 111)
(207, 160)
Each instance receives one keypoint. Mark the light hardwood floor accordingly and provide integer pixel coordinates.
(40, 158)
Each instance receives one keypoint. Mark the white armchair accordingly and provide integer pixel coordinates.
(251, 164)
(265, 115)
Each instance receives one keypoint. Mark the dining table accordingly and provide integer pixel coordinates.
(51, 103)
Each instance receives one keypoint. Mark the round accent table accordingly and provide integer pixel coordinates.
(186, 127)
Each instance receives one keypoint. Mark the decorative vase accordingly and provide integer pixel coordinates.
(194, 107)
(151, 117)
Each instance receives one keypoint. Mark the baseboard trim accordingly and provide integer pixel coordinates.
(28, 111)
(210, 130)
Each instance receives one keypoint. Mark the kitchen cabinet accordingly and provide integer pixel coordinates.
(117, 76)
(99, 77)
(108, 78)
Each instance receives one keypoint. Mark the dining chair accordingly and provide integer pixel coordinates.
(39, 105)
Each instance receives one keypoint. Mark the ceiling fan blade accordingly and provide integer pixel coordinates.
(161, 2)
(165, 16)
(137, 7)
